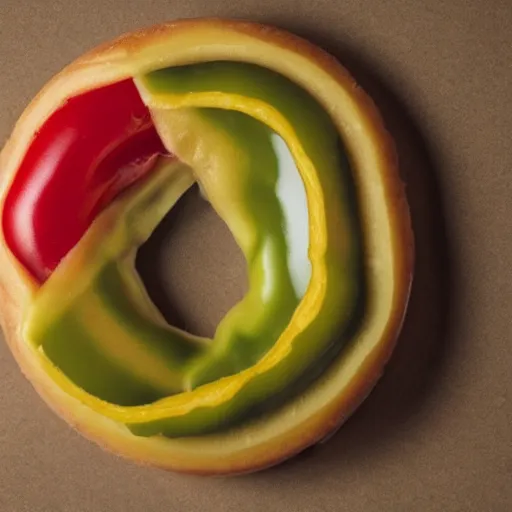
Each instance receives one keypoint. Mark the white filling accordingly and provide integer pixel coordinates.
(292, 196)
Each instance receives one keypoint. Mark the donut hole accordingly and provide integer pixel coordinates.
(191, 266)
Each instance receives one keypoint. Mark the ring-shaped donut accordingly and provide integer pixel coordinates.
(292, 155)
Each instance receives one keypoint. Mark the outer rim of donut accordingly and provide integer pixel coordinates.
(16, 284)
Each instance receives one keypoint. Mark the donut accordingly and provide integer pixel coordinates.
(292, 155)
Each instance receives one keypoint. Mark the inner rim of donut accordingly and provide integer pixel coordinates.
(191, 266)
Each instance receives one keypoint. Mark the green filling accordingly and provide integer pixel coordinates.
(89, 368)
(252, 327)
(105, 335)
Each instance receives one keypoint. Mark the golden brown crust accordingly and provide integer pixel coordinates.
(16, 286)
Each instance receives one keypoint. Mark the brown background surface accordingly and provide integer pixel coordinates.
(436, 434)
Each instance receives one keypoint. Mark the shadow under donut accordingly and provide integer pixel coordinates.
(424, 345)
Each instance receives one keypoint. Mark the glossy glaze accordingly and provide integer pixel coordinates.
(93, 147)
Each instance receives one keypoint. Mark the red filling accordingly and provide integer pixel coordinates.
(88, 151)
